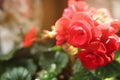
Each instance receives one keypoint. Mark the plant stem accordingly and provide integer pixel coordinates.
(68, 70)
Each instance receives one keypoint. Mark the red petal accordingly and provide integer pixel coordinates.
(30, 37)
(100, 60)
(77, 6)
(88, 60)
(78, 34)
(83, 16)
(111, 55)
(97, 47)
(115, 24)
(61, 26)
(112, 43)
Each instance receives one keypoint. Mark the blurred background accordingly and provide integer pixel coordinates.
(18, 16)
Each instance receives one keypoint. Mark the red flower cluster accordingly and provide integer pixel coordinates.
(91, 30)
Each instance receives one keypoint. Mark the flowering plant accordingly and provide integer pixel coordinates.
(86, 33)
(91, 30)
(84, 44)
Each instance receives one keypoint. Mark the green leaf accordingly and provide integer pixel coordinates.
(112, 78)
(2, 69)
(45, 75)
(80, 73)
(26, 63)
(19, 73)
(55, 48)
(110, 70)
(117, 55)
(58, 58)
(61, 60)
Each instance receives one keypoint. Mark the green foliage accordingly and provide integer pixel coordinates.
(48, 62)
(80, 73)
(108, 71)
(117, 55)
(19, 73)
(45, 75)
(53, 56)
(26, 63)
(2, 69)
(112, 78)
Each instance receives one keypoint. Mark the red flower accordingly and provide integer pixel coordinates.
(107, 29)
(101, 15)
(61, 26)
(104, 21)
(93, 31)
(30, 37)
(111, 43)
(115, 24)
(77, 6)
(79, 32)
(95, 55)
(73, 7)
